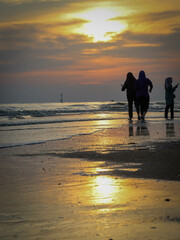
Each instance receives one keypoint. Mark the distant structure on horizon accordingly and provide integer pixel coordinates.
(61, 98)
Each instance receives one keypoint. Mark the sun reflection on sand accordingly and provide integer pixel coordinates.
(104, 189)
(108, 140)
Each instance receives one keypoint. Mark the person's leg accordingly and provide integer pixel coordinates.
(140, 106)
(166, 111)
(137, 107)
(172, 110)
(130, 107)
(145, 106)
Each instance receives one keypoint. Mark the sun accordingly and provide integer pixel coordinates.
(100, 26)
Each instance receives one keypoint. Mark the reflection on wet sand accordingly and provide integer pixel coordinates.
(170, 132)
(131, 130)
(104, 189)
(141, 130)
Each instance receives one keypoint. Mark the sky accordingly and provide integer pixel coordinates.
(85, 48)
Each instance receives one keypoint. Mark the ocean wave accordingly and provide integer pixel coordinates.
(49, 121)
(23, 111)
(40, 110)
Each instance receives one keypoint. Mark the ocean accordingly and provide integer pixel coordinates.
(32, 123)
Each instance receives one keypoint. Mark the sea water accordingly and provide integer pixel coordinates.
(22, 124)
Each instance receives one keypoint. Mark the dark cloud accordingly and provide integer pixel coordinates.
(10, 11)
(146, 45)
(15, 35)
(18, 10)
(18, 36)
(149, 16)
(27, 61)
(31, 47)
(170, 42)
(161, 15)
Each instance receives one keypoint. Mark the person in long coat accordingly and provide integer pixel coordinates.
(143, 86)
(129, 86)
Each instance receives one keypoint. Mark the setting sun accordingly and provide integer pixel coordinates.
(100, 25)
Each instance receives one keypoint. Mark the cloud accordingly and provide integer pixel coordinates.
(151, 22)
(14, 36)
(150, 16)
(19, 11)
(33, 47)
(31, 10)
(38, 41)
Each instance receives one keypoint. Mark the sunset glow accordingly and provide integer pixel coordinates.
(100, 25)
(78, 47)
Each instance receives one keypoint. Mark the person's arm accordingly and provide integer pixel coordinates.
(174, 88)
(124, 87)
(150, 85)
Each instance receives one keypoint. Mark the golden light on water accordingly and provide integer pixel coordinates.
(100, 25)
(104, 189)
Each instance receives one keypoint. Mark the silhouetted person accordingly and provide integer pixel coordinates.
(143, 86)
(169, 95)
(129, 86)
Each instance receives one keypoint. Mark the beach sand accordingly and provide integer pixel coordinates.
(118, 183)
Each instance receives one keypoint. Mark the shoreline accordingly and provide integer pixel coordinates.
(159, 163)
(141, 150)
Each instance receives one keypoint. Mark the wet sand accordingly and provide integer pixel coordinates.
(114, 184)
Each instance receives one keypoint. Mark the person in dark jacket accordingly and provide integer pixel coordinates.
(143, 86)
(169, 95)
(129, 86)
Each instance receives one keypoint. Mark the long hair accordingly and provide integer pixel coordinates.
(142, 78)
(130, 77)
(168, 82)
(142, 75)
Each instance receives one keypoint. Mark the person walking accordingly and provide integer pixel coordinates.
(169, 96)
(143, 86)
(129, 86)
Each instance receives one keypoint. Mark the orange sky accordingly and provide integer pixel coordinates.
(67, 44)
